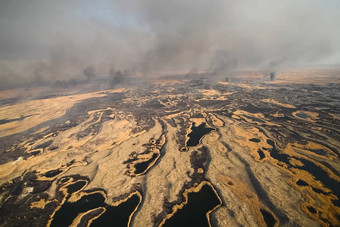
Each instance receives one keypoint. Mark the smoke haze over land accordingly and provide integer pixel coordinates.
(59, 40)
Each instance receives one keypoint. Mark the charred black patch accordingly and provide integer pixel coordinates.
(35, 152)
(171, 122)
(198, 160)
(153, 104)
(255, 119)
(144, 121)
(5, 121)
(255, 109)
(319, 152)
(52, 173)
(227, 146)
(181, 133)
(43, 145)
(15, 210)
(319, 173)
(41, 186)
(197, 115)
(261, 192)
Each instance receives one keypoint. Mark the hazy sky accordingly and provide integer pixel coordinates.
(58, 39)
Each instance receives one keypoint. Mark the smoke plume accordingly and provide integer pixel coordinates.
(61, 40)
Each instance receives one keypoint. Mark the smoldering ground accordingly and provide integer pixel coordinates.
(59, 40)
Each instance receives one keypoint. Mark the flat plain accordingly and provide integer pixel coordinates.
(177, 151)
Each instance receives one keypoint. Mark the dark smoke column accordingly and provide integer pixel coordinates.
(89, 72)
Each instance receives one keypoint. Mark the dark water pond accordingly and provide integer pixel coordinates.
(197, 133)
(117, 215)
(301, 183)
(69, 211)
(311, 209)
(113, 216)
(268, 218)
(142, 166)
(262, 156)
(255, 140)
(194, 212)
(72, 188)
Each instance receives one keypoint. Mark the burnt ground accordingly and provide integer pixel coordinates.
(300, 115)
